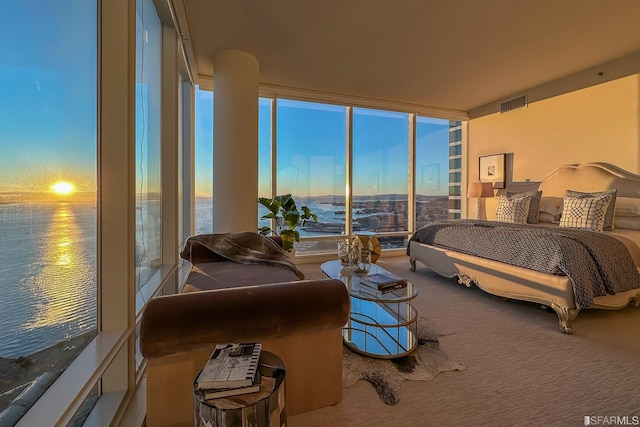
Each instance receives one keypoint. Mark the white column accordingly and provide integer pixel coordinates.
(235, 135)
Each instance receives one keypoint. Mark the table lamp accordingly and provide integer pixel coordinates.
(479, 190)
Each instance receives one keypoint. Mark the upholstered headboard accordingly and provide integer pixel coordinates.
(590, 177)
(585, 177)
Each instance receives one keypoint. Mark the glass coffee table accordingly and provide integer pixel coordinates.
(382, 325)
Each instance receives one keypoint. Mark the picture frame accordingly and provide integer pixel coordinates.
(492, 169)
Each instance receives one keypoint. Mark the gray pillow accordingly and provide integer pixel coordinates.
(534, 204)
(608, 216)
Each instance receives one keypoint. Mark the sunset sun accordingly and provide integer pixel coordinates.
(63, 188)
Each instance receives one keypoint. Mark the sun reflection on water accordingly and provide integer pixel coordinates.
(66, 276)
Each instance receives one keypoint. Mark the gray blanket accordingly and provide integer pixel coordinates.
(241, 247)
(596, 264)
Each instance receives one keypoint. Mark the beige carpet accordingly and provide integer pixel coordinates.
(520, 369)
(425, 362)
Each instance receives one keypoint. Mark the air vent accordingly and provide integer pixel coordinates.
(513, 104)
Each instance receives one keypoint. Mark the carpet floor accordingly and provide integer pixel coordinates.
(520, 369)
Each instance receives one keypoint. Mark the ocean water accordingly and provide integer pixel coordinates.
(326, 212)
(48, 259)
(47, 274)
(331, 215)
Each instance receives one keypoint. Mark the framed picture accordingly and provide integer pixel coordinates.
(492, 169)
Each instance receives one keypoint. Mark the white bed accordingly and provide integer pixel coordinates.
(524, 284)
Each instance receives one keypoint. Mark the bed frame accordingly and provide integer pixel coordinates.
(527, 285)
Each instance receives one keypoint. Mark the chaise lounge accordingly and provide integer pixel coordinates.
(243, 288)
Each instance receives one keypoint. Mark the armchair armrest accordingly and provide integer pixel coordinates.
(175, 324)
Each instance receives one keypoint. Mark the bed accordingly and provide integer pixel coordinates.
(567, 286)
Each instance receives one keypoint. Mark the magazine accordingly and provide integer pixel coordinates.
(393, 287)
(374, 290)
(230, 366)
(383, 280)
(233, 391)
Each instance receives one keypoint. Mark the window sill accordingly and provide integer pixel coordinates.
(59, 403)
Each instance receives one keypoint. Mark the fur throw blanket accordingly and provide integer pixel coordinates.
(242, 247)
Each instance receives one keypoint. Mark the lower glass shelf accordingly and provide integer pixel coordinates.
(380, 331)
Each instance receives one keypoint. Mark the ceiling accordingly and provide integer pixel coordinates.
(452, 54)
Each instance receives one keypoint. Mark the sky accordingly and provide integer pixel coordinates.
(47, 95)
(311, 155)
(48, 121)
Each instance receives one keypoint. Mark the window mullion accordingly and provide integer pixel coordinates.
(349, 174)
(411, 202)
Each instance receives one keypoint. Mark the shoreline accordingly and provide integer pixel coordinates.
(15, 376)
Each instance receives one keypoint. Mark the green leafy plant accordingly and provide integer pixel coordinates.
(288, 218)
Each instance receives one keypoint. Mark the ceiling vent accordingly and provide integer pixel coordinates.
(513, 104)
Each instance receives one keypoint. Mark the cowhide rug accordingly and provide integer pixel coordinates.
(423, 364)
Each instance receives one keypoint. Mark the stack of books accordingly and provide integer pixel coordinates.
(384, 282)
(232, 369)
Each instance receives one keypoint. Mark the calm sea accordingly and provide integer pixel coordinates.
(48, 270)
(47, 274)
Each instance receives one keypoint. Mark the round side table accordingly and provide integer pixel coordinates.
(264, 408)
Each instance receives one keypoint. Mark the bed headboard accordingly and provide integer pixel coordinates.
(587, 177)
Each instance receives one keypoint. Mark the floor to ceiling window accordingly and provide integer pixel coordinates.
(432, 170)
(81, 218)
(148, 141)
(48, 181)
(185, 157)
(204, 161)
(265, 140)
(380, 199)
(203, 158)
(340, 160)
(378, 190)
(311, 141)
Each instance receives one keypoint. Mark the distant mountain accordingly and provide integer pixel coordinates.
(339, 199)
(44, 196)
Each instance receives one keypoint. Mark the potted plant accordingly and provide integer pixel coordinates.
(288, 218)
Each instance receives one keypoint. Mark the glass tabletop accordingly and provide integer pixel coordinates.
(334, 270)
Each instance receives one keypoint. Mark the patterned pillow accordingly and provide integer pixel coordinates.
(608, 220)
(587, 213)
(513, 209)
(534, 204)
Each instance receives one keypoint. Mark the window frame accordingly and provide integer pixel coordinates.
(108, 363)
(275, 94)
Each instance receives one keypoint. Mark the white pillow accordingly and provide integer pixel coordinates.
(550, 206)
(547, 217)
(587, 213)
(627, 206)
(627, 222)
(513, 209)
